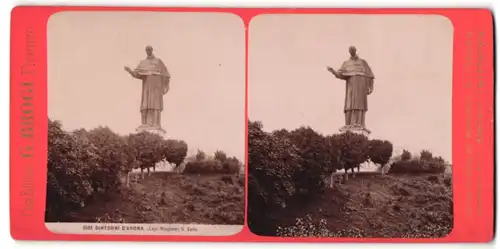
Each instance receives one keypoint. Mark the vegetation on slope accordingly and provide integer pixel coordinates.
(287, 175)
(166, 197)
(90, 178)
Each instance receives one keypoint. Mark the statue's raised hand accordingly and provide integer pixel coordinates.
(127, 69)
(330, 70)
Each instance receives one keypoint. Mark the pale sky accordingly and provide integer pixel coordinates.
(204, 53)
(410, 55)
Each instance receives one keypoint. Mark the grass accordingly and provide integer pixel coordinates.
(166, 197)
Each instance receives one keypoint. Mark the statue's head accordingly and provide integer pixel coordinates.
(149, 50)
(352, 51)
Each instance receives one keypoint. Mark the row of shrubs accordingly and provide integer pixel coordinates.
(220, 163)
(426, 163)
(83, 165)
(289, 167)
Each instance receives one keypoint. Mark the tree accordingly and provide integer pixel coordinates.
(220, 155)
(406, 155)
(200, 155)
(148, 149)
(132, 160)
(175, 152)
(70, 164)
(426, 155)
(353, 150)
(113, 159)
(380, 151)
(232, 165)
(315, 159)
(335, 163)
(272, 166)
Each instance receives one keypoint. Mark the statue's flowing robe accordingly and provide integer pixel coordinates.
(155, 82)
(359, 79)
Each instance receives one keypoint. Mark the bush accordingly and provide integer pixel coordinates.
(333, 151)
(213, 166)
(83, 165)
(406, 155)
(175, 151)
(426, 163)
(112, 159)
(200, 155)
(204, 166)
(220, 155)
(232, 166)
(148, 149)
(418, 166)
(272, 166)
(426, 155)
(284, 164)
(70, 164)
(306, 227)
(380, 151)
(314, 152)
(353, 149)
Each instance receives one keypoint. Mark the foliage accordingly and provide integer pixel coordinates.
(131, 154)
(200, 155)
(208, 199)
(426, 155)
(147, 148)
(112, 160)
(213, 166)
(380, 151)
(284, 164)
(272, 165)
(203, 166)
(305, 227)
(314, 228)
(315, 159)
(274, 162)
(220, 155)
(418, 166)
(84, 166)
(232, 165)
(353, 149)
(175, 151)
(406, 155)
(427, 163)
(70, 165)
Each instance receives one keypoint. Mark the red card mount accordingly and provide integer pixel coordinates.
(472, 134)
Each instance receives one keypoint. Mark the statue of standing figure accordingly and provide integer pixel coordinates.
(359, 84)
(155, 83)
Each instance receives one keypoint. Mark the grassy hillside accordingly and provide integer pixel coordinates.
(375, 205)
(166, 197)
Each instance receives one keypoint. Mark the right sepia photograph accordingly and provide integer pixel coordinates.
(350, 126)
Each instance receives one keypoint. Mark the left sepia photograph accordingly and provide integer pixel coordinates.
(146, 119)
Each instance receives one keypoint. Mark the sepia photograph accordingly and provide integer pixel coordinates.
(146, 125)
(350, 126)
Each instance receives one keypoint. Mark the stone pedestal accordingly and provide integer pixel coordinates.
(152, 129)
(368, 166)
(355, 129)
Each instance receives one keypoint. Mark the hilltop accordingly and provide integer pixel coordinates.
(167, 197)
(375, 205)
